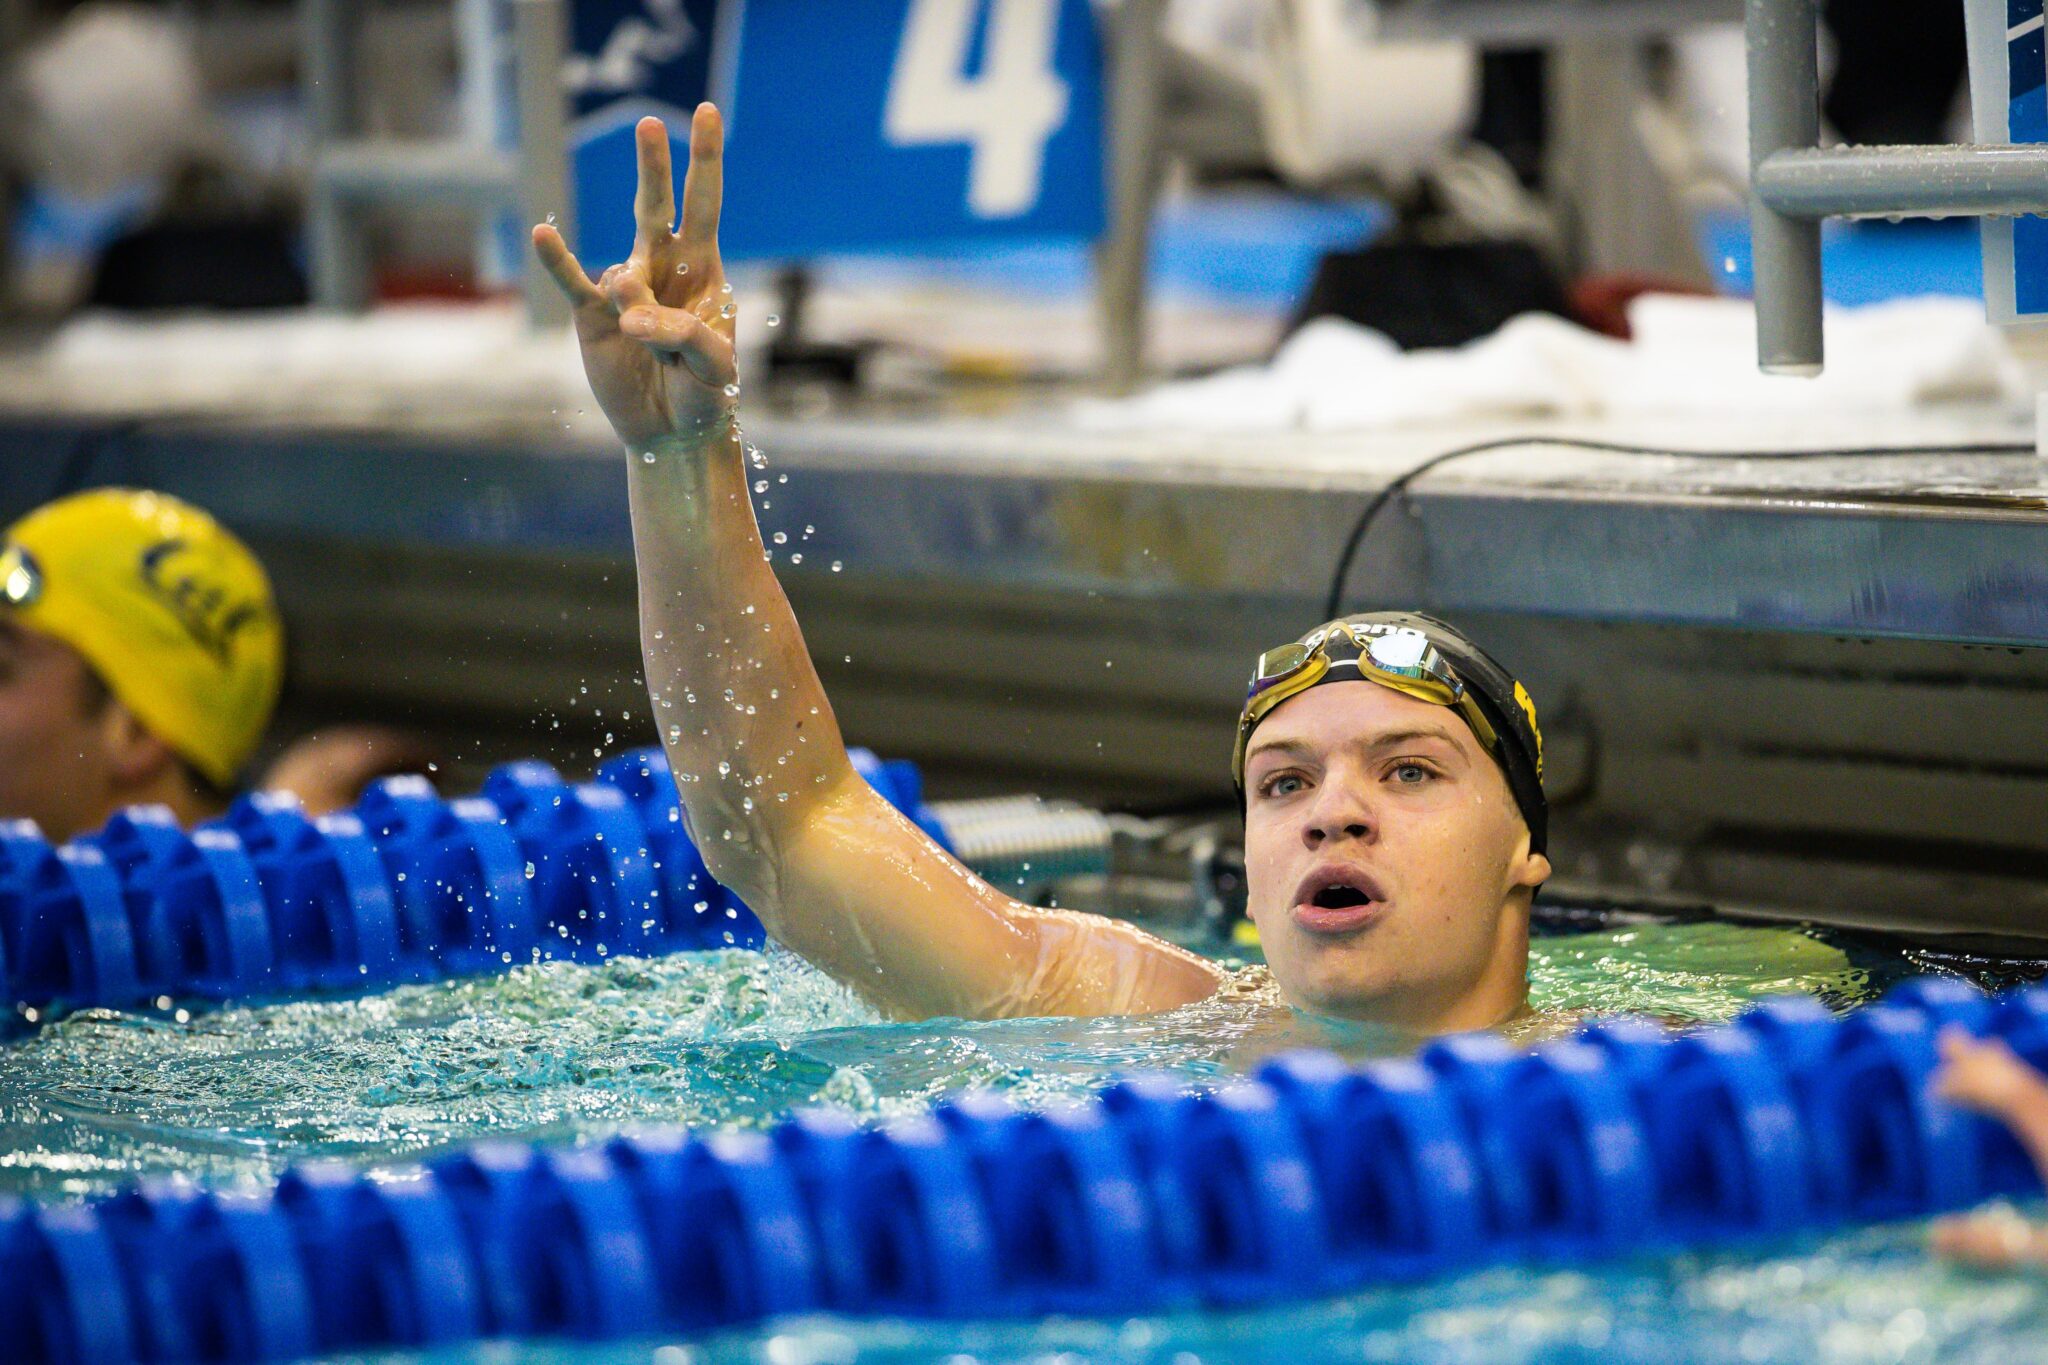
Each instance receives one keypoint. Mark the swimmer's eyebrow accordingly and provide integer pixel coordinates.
(1392, 739)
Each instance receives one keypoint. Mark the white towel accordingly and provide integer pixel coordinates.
(1689, 356)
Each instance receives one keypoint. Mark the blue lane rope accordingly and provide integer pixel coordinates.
(1313, 1177)
(406, 886)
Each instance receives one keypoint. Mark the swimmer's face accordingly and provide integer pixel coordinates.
(55, 764)
(1389, 868)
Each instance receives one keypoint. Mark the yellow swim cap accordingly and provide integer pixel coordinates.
(171, 610)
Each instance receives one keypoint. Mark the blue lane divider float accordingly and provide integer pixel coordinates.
(406, 886)
(1313, 1177)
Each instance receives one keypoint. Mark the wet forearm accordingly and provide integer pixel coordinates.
(741, 712)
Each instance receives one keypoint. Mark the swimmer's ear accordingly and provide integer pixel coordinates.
(1530, 869)
(135, 757)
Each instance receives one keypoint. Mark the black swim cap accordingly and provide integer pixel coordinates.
(1504, 702)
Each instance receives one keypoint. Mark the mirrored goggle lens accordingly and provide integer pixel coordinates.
(1278, 665)
(1403, 649)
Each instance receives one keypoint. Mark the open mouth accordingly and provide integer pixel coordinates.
(1340, 898)
(1337, 900)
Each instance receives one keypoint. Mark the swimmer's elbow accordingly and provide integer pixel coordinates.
(746, 843)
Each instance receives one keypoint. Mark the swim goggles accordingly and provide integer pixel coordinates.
(1399, 657)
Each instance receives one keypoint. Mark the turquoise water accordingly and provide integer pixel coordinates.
(562, 1052)
(1859, 1299)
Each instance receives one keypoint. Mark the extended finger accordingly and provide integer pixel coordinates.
(654, 200)
(561, 264)
(681, 333)
(704, 182)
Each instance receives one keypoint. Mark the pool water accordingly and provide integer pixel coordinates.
(561, 1052)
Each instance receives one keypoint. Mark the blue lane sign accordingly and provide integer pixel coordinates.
(851, 125)
(2009, 97)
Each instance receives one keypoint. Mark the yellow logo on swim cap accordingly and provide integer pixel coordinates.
(211, 611)
(1528, 705)
(171, 610)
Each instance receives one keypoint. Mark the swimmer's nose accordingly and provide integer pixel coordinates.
(1340, 811)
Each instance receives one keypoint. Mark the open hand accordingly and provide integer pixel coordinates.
(657, 329)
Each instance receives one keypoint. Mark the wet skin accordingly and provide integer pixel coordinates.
(53, 751)
(1353, 785)
(841, 879)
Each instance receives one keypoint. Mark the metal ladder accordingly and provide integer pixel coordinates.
(1795, 182)
(511, 156)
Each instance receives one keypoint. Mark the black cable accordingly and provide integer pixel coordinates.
(1332, 606)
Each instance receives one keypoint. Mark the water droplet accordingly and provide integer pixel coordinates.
(646, 457)
(781, 538)
(727, 311)
(725, 288)
(760, 485)
(837, 565)
(773, 320)
(732, 390)
(796, 559)
(724, 768)
(683, 269)
(551, 220)
(529, 872)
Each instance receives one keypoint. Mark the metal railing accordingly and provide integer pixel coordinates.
(1795, 182)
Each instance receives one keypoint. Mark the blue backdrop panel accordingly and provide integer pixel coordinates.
(855, 125)
(2009, 93)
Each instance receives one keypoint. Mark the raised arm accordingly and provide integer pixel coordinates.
(772, 801)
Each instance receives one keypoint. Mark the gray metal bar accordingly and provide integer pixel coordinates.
(1503, 23)
(540, 38)
(1916, 181)
(340, 266)
(1617, 207)
(366, 171)
(489, 118)
(1137, 64)
(1784, 115)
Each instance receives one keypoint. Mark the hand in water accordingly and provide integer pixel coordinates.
(1987, 1076)
(657, 329)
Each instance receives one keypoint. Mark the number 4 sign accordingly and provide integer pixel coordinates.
(1005, 112)
(867, 124)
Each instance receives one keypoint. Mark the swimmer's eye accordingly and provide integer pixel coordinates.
(1411, 774)
(1273, 786)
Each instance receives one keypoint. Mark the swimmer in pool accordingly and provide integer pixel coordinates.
(140, 660)
(1394, 816)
